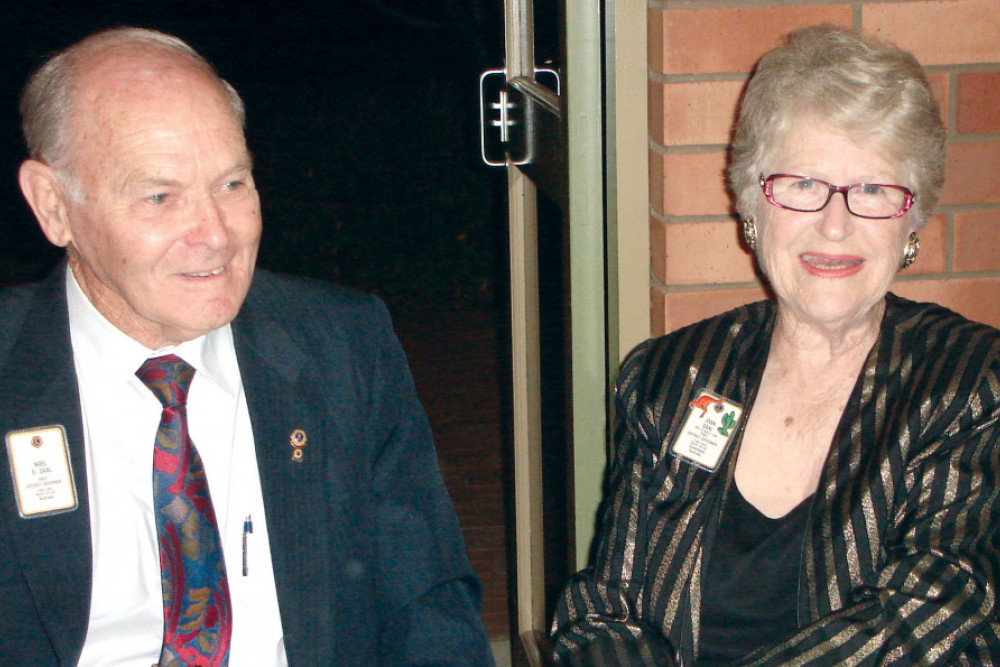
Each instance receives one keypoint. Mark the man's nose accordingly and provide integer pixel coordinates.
(210, 223)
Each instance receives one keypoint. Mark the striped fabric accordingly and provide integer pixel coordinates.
(902, 555)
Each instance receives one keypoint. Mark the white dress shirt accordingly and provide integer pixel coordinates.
(120, 419)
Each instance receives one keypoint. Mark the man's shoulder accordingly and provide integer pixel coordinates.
(281, 294)
(16, 303)
(300, 322)
(306, 308)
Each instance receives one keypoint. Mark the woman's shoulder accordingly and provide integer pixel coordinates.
(930, 329)
(749, 322)
(938, 357)
(701, 354)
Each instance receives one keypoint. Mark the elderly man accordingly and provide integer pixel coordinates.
(208, 465)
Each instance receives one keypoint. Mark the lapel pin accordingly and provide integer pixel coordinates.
(297, 440)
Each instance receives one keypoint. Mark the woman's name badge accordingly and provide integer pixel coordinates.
(708, 428)
(40, 468)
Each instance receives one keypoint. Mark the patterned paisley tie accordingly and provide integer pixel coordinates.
(197, 616)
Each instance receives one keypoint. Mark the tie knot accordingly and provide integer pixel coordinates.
(168, 377)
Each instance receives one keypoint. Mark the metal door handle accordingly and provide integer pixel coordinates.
(504, 114)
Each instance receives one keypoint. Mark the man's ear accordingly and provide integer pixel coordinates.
(48, 200)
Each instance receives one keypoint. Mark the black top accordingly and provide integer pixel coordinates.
(750, 591)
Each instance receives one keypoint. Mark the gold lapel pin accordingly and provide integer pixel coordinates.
(297, 440)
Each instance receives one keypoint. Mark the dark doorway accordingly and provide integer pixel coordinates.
(363, 121)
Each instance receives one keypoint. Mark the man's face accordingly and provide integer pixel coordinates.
(164, 243)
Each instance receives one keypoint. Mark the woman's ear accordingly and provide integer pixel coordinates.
(48, 200)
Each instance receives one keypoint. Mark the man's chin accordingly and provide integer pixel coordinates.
(197, 321)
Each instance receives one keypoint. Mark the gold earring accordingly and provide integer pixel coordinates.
(750, 234)
(911, 250)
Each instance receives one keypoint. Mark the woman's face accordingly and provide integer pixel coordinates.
(831, 268)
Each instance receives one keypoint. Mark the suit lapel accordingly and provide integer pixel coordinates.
(38, 388)
(285, 404)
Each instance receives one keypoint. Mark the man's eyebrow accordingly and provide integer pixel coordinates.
(244, 165)
(245, 161)
(151, 180)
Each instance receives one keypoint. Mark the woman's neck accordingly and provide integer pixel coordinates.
(820, 360)
(809, 342)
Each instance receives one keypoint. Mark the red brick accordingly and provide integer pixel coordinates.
(939, 32)
(656, 181)
(939, 86)
(657, 311)
(683, 308)
(658, 249)
(655, 20)
(973, 173)
(698, 112)
(978, 101)
(706, 253)
(977, 243)
(732, 39)
(694, 184)
(976, 298)
(656, 112)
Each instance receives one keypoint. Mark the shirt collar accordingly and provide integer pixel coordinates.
(101, 349)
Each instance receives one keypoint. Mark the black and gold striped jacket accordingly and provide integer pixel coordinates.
(901, 558)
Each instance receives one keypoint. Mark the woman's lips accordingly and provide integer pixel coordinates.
(831, 266)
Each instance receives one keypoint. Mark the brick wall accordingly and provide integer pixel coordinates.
(700, 53)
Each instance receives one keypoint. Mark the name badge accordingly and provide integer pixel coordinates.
(40, 468)
(708, 428)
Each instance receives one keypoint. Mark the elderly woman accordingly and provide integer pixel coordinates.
(813, 480)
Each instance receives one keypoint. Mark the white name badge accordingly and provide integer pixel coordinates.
(708, 428)
(40, 468)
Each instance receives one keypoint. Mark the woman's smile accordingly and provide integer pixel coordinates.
(831, 266)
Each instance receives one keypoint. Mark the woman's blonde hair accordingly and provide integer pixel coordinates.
(872, 90)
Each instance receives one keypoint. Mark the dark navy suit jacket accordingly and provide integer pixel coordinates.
(369, 561)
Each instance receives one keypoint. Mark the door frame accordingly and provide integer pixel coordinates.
(608, 219)
(609, 227)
